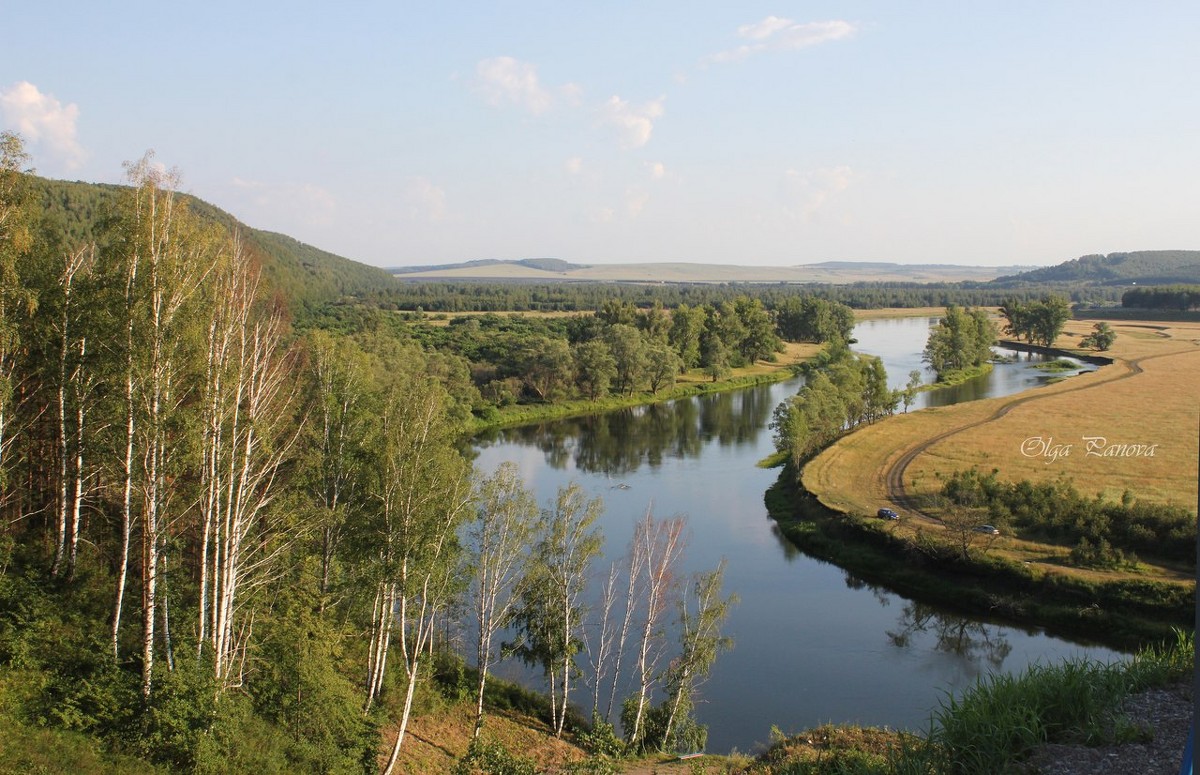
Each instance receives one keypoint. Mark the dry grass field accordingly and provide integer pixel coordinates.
(435, 741)
(1148, 400)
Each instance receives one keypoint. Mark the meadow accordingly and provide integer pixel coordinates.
(1142, 407)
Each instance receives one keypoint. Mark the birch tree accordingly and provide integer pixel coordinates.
(700, 618)
(551, 612)
(499, 539)
(15, 241)
(661, 544)
(75, 384)
(422, 498)
(339, 404)
(164, 258)
(247, 434)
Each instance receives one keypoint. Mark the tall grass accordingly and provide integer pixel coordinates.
(1004, 717)
(995, 724)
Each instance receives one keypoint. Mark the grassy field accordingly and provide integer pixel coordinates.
(1147, 397)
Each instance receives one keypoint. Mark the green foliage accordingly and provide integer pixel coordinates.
(999, 720)
(487, 758)
(962, 340)
(1037, 322)
(303, 692)
(1140, 267)
(601, 739)
(1176, 297)
(1101, 338)
(813, 319)
(1099, 530)
(992, 726)
(843, 391)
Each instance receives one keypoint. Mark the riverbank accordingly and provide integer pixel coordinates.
(1123, 614)
(693, 383)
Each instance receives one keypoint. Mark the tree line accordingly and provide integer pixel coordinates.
(1179, 297)
(523, 296)
(231, 544)
(620, 348)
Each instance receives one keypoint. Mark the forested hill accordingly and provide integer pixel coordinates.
(76, 212)
(1138, 267)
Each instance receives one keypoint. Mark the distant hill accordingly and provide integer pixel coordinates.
(77, 212)
(537, 264)
(835, 272)
(1143, 267)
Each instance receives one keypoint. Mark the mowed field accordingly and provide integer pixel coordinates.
(1148, 400)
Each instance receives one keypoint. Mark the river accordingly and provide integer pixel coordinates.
(813, 643)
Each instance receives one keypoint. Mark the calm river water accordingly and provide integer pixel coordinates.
(813, 643)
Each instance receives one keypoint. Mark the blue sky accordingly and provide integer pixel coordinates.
(751, 133)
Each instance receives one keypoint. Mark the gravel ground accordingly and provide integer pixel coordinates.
(1165, 714)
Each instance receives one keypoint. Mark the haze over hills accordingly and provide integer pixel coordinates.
(1141, 267)
(550, 270)
(310, 275)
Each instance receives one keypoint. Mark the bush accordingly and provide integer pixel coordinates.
(484, 758)
(601, 739)
(1057, 512)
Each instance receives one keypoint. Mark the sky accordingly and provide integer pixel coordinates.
(762, 134)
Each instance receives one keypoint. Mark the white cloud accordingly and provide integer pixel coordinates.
(635, 201)
(506, 80)
(777, 34)
(658, 170)
(805, 193)
(425, 201)
(43, 120)
(573, 165)
(634, 123)
(764, 29)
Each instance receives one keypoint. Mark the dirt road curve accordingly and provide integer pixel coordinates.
(894, 476)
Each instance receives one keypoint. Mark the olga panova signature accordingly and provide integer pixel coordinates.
(1051, 450)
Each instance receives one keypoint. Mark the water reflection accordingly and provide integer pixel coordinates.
(813, 643)
(618, 443)
(971, 641)
(901, 342)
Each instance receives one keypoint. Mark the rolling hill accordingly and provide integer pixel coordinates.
(77, 212)
(1143, 267)
(833, 272)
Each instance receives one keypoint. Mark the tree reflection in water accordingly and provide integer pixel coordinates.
(973, 641)
(622, 441)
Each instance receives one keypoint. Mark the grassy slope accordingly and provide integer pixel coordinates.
(437, 740)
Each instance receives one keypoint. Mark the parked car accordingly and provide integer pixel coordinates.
(887, 514)
(988, 529)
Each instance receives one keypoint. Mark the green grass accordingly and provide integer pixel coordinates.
(991, 727)
(1058, 364)
(959, 376)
